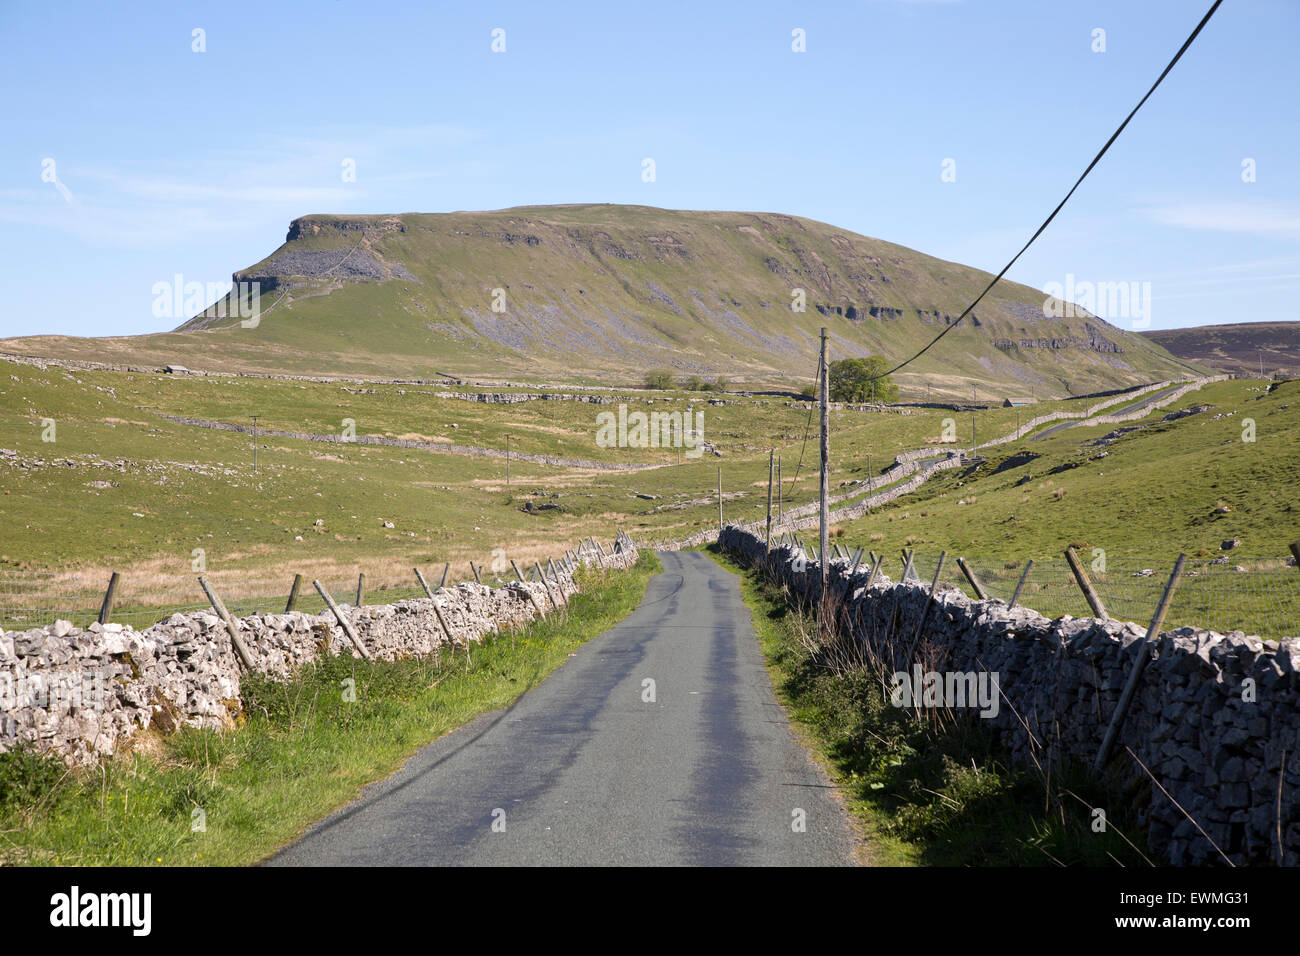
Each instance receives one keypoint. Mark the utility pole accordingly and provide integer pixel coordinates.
(778, 491)
(507, 460)
(254, 444)
(826, 460)
(771, 457)
(719, 499)
(1261, 363)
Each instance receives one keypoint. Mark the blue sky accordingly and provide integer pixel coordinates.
(172, 161)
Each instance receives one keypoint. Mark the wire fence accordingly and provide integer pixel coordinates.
(35, 598)
(1260, 597)
(30, 599)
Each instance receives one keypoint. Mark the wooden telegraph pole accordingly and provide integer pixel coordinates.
(254, 444)
(507, 460)
(778, 491)
(771, 458)
(826, 458)
(719, 499)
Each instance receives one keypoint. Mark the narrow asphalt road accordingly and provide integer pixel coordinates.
(582, 770)
(1146, 400)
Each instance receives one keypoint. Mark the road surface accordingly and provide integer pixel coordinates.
(582, 771)
(1143, 403)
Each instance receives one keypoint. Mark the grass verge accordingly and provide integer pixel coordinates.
(302, 749)
(938, 793)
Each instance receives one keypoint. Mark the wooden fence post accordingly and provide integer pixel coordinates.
(442, 621)
(974, 581)
(477, 577)
(875, 569)
(1085, 585)
(361, 589)
(518, 574)
(443, 583)
(293, 593)
(531, 596)
(423, 583)
(1144, 649)
(928, 602)
(1016, 597)
(106, 608)
(343, 621)
(238, 642)
(545, 583)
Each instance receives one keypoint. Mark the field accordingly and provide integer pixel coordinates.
(120, 487)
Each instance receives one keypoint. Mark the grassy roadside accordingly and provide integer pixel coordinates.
(925, 794)
(301, 751)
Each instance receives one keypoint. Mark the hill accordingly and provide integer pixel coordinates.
(603, 293)
(1241, 347)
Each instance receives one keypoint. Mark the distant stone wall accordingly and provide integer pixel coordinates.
(83, 694)
(1215, 718)
(443, 448)
(909, 463)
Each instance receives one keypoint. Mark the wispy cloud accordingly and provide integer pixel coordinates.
(1255, 218)
(151, 203)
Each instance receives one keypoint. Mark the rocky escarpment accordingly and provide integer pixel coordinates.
(1095, 342)
(369, 227)
(355, 258)
(83, 694)
(288, 264)
(1204, 753)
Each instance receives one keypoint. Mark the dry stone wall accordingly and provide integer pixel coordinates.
(1214, 719)
(82, 694)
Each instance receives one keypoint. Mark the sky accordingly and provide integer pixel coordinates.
(142, 140)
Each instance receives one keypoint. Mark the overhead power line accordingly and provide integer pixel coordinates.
(1059, 206)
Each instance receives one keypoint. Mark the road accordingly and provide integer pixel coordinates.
(1143, 403)
(582, 771)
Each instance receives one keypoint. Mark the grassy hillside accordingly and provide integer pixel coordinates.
(123, 488)
(601, 293)
(1246, 348)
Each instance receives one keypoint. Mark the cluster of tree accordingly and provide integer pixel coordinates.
(858, 380)
(663, 380)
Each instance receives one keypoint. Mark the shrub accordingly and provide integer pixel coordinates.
(27, 776)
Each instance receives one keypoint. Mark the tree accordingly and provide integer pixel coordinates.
(659, 379)
(862, 380)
